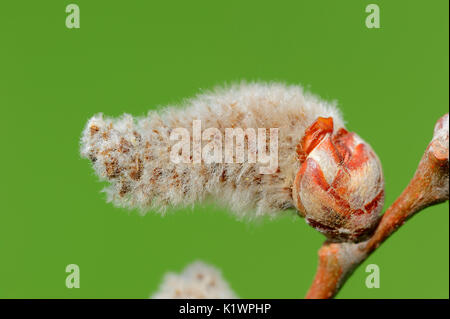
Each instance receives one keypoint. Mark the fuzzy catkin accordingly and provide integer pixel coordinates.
(197, 281)
(133, 154)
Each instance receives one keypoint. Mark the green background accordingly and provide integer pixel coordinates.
(132, 56)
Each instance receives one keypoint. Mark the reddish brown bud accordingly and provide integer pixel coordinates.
(339, 188)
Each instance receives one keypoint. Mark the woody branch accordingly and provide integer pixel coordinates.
(429, 186)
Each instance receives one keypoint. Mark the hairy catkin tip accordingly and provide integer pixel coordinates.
(197, 281)
(114, 148)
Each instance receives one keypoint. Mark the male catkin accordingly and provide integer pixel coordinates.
(133, 154)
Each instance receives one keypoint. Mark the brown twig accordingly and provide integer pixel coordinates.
(429, 186)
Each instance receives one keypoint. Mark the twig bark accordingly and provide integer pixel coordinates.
(429, 186)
